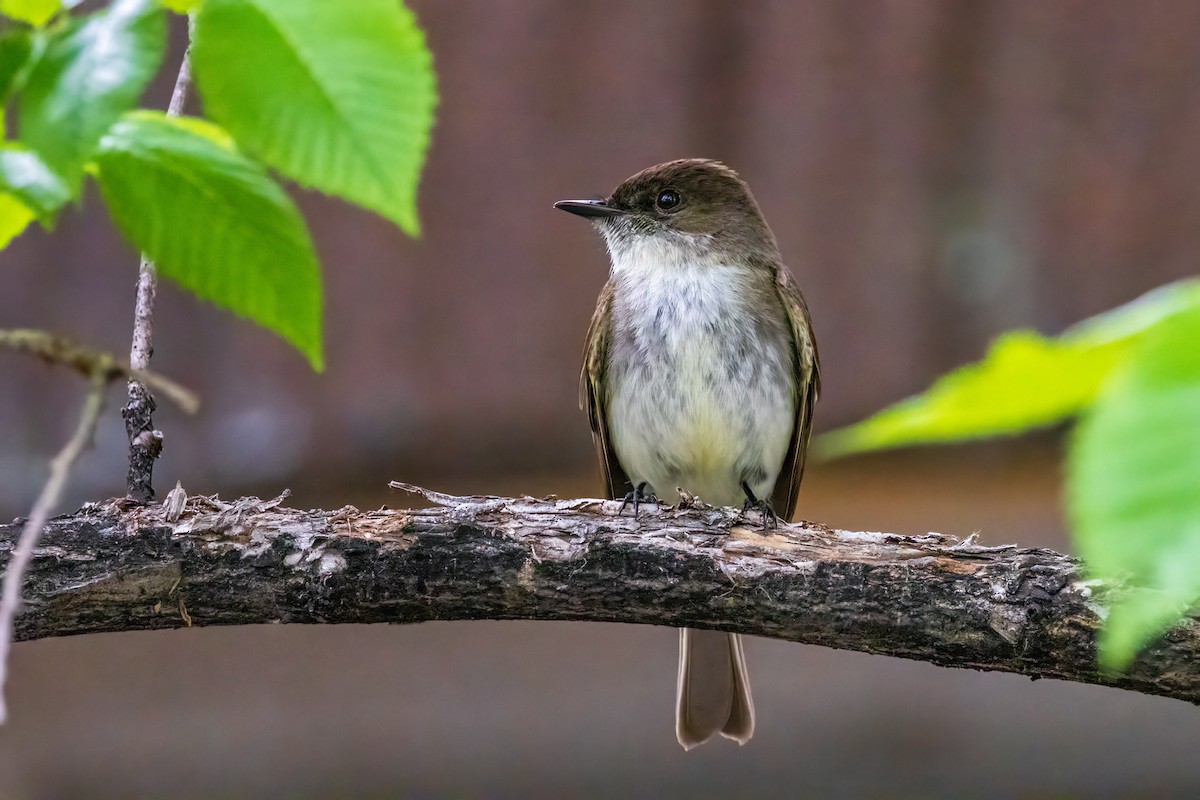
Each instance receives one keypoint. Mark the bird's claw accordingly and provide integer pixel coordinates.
(769, 518)
(638, 496)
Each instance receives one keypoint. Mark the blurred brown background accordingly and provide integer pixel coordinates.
(936, 172)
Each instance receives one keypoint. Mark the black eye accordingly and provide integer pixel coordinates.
(667, 199)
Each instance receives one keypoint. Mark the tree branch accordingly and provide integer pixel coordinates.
(145, 442)
(118, 566)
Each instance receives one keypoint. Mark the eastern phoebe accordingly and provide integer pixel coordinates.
(700, 373)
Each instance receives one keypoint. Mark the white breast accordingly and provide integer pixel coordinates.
(701, 397)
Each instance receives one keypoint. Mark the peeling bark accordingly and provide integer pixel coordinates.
(117, 566)
(145, 443)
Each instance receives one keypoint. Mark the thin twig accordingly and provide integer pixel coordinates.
(87, 360)
(143, 330)
(143, 325)
(183, 85)
(60, 468)
(145, 442)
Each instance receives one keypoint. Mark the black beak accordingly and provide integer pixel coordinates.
(588, 208)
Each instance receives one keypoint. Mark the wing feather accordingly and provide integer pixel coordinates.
(592, 395)
(807, 366)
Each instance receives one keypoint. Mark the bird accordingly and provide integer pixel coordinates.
(700, 375)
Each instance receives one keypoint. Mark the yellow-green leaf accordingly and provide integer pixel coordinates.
(1025, 381)
(15, 217)
(182, 6)
(35, 12)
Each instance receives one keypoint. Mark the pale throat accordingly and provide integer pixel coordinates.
(701, 393)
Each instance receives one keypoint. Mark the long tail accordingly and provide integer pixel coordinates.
(714, 689)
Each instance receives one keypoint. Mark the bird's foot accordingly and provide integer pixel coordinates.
(638, 496)
(769, 518)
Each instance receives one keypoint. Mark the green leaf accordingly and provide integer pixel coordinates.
(15, 50)
(35, 12)
(26, 177)
(15, 217)
(338, 96)
(1133, 486)
(93, 70)
(215, 223)
(201, 127)
(1026, 381)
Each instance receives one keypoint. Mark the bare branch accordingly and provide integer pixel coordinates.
(143, 326)
(87, 360)
(935, 598)
(145, 441)
(183, 84)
